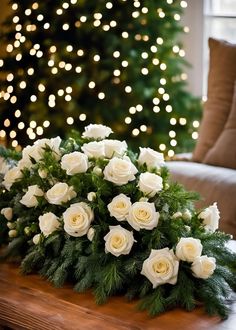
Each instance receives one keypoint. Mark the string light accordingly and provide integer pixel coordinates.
(82, 117)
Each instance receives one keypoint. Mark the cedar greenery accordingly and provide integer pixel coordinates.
(60, 257)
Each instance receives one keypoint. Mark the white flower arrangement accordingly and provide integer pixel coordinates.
(91, 203)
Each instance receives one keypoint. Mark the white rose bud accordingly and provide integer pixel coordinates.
(143, 215)
(210, 217)
(96, 131)
(114, 148)
(11, 225)
(42, 173)
(12, 233)
(97, 170)
(187, 215)
(118, 241)
(94, 149)
(177, 215)
(36, 239)
(119, 207)
(77, 219)
(27, 231)
(91, 196)
(161, 267)
(7, 212)
(48, 223)
(143, 199)
(11, 176)
(90, 234)
(60, 193)
(120, 171)
(188, 249)
(151, 158)
(30, 197)
(75, 162)
(150, 184)
(203, 267)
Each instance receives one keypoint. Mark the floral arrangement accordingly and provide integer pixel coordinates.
(90, 211)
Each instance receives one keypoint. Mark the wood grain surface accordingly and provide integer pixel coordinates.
(30, 302)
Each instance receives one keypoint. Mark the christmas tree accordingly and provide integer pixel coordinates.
(116, 62)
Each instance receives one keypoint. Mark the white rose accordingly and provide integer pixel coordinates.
(187, 215)
(203, 267)
(97, 170)
(143, 215)
(94, 149)
(36, 239)
(150, 184)
(48, 223)
(151, 158)
(30, 197)
(177, 215)
(77, 219)
(161, 267)
(60, 193)
(36, 151)
(53, 144)
(188, 249)
(119, 207)
(91, 196)
(118, 241)
(96, 131)
(11, 176)
(7, 212)
(120, 171)
(42, 173)
(3, 166)
(114, 148)
(75, 162)
(12, 233)
(211, 217)
(90, 234)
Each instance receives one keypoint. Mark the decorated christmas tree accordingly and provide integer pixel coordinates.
(120, 63)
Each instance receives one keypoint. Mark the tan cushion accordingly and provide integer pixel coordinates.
(221, 77)
(223, 153)
(214, 184)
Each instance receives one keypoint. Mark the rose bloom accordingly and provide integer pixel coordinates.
(119, 207)
(210, 217)
(11, 176)
(77, 219)
(161, 267)
(75, 162)
(48, 223)
(120, 171)
(114, 148)
(60, 193)
(94, 149)
(143, 215)
(30, 197)
(203, 267)
(7, 212)
(37, 149)
(151, 158)
(150, 184)
(188, 249)
(118, 241)
(96, 131)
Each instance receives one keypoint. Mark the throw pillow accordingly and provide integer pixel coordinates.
(221, 77)
(223, 152)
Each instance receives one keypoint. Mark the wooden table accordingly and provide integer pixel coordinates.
(29, 302)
